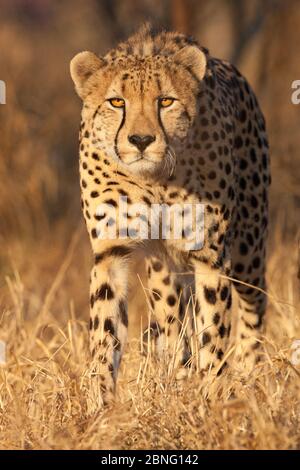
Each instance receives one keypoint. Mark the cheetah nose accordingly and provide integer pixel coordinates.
(141, 141)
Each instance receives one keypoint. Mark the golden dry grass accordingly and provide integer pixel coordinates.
(44, 390)
(45, 259)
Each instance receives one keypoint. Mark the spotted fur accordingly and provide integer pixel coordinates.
(211, 147)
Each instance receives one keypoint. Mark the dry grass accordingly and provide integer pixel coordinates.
(44, 389)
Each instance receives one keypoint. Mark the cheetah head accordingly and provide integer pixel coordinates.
(139, 109)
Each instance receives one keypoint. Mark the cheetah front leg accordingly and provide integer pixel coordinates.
(108, 321)
(212, 315)
(170, 320)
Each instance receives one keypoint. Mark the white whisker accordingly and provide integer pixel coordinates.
(171, 160)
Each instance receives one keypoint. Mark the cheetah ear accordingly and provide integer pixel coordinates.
(82, 67)
(193, 58)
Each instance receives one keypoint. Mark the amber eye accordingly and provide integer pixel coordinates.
(166, 102)
(117, 102)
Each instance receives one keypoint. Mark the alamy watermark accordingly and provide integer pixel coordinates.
(2, 353)
(142, 221)
(295, 98)
(295, 352)
(2, 92)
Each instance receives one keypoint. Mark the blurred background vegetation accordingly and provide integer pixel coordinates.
(39, 190)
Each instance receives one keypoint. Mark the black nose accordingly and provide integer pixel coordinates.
(141, 141)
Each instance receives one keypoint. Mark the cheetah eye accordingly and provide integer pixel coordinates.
(166, 102)
(117, 102)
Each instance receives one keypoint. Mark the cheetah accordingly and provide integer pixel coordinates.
(163, 122)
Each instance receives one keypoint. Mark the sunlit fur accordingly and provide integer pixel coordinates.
(142, 81)
(165, 123)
